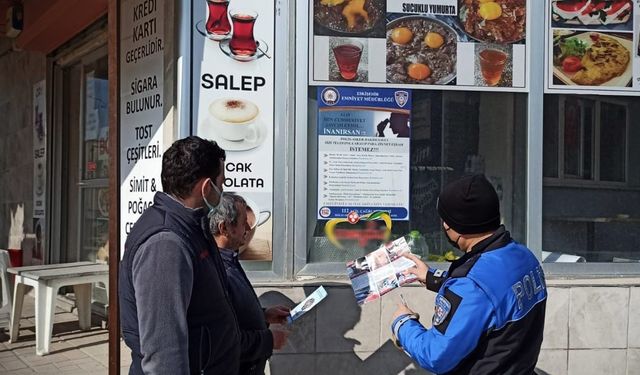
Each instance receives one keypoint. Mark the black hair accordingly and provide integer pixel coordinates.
(187, 161)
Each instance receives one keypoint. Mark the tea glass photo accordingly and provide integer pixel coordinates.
(348, 53)
(492, 63)
(218, 25)
(242, 41)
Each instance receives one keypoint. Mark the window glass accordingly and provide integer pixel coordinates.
(96, 121)
(550, 134)
(577, 129)
(452, 134)
(590, 210)
(94, 193)
(613, 148)
(572, 133)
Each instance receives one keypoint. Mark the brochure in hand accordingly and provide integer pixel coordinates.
(307, 304)
(380, 271)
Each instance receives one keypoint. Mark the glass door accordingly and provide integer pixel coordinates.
(80, 159)
(84, 159)
(93, 206)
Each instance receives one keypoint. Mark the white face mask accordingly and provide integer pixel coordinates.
(213, 208)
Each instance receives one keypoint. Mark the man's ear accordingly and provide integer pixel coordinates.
(200, 188)
(222, 228)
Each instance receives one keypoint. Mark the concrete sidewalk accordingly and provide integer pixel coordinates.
(72, 351)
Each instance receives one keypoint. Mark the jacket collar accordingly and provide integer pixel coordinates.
(228, 255)
(166, 202)
(499, 239)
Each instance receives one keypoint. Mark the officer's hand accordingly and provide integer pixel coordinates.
(420, 270)
(279, 337)
(401, 310)
(276, 314)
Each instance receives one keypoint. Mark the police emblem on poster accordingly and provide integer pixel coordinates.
(401, 98)
(330, 96)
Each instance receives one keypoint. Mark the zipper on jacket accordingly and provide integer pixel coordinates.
(203, 367)
(200, 357)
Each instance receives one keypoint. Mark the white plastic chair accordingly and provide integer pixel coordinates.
(7, 298)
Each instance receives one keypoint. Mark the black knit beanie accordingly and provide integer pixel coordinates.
(470, 205)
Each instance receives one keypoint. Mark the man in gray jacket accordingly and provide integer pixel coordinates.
(175, 310)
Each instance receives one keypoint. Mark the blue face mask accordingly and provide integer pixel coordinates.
(213, 208)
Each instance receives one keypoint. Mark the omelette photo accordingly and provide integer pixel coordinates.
(591, 59)
(605, 59)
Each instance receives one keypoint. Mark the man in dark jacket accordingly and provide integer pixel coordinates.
(489, 311)
(176, 314)
(229, 227)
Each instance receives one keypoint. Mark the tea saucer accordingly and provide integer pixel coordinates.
(209, 131)
(201, 29)
(262, 50)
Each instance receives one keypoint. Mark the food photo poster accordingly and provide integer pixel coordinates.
(592, 46)
(233, 101)
(452, 44)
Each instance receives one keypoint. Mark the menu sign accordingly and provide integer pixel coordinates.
(233, 91)
(451, 44)
(363, 152)
(141, 107)
(592, 47)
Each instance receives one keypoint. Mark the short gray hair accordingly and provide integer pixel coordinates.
(227, 212)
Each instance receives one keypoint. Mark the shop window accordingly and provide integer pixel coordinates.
(452, 134)
(590, 193)
(585, 140)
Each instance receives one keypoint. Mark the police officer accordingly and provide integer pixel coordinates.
(489, 310)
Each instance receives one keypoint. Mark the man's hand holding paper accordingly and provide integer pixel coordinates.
(276, 314)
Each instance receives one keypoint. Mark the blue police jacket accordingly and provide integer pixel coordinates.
(489, 313)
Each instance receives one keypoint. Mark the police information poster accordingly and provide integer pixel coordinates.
(452, 44)
(141, 108)
(232, 103)
(363, 151)
(592, 47)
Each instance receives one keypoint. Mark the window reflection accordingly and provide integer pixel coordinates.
(452, 134)
(590, 208)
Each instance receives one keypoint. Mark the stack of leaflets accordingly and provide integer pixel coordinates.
(381, 271)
